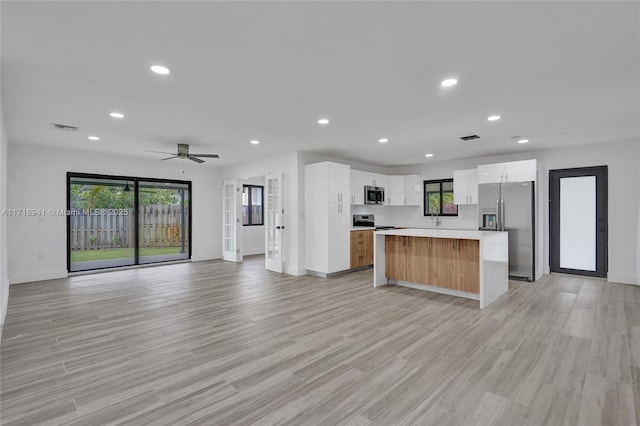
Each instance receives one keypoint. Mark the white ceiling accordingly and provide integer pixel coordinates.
(559, 73)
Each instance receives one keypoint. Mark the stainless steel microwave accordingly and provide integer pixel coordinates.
(373, 195)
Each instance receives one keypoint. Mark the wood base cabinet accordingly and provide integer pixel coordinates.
(361, 248)
(442, 262)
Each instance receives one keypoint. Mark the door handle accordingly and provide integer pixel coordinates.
(279, 227)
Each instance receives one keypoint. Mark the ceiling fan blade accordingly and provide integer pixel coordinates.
(206, 155)
(169, 158)
(196, 159)
(162, 152)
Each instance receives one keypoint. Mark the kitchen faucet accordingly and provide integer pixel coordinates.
(434, 216)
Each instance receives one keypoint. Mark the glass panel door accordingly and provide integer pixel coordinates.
(163, 221)
(100, 223)
(274, 223)
(578, 223)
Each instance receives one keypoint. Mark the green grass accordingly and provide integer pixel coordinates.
(88, 255)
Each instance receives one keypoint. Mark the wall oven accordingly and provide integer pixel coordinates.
(373, 195)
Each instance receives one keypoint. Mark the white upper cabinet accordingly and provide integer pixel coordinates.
(398, 190)
(394, 193)
(465, 186)
(521, 171)
(357, 187)
(412, 190)
(375, 179)
(513, 171)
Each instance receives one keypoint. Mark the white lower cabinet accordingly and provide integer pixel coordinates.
(327, 217)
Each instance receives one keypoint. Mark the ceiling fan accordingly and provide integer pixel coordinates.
(183, 152)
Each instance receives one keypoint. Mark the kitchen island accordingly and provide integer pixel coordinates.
(465, 263)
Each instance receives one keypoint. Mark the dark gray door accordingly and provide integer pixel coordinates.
(578, 221)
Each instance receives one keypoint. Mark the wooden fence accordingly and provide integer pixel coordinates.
(159, 226)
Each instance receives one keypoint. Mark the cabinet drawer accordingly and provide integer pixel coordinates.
(362, 258)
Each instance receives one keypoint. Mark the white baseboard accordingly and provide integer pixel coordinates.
(249, 252)
(195, 258)
(37, 276)
(295, 271)
(622, 278)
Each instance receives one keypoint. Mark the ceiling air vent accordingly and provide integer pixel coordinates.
(470, 137)
(64, 127)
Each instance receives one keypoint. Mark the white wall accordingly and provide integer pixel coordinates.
(287, 164)
(624, 197)
(37, 177)
(4, 270)
(638, 245)
(253, 236)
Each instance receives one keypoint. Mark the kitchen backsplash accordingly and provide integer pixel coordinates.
(411, 216)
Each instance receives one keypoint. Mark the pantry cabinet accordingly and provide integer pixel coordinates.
(327, 217)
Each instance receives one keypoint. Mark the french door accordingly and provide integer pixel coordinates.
(274, 223)
(578, 221)
(232, 220)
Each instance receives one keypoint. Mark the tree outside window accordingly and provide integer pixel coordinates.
(438, 198)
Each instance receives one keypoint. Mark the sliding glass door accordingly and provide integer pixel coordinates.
(163, 217)
(121, 221)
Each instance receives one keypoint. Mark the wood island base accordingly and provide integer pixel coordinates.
(470, 264)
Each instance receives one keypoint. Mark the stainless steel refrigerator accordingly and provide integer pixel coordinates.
(510, 207)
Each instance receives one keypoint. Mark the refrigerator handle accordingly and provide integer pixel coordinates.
(502, 214)
(498, 214)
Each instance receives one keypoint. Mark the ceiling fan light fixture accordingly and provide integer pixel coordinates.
(183, 152)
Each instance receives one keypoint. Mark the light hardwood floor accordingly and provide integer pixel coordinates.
(220, 343)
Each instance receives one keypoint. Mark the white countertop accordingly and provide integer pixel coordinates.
(467, 234)
(362, 228)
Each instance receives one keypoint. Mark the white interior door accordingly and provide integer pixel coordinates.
(232, 221)
(274, 226)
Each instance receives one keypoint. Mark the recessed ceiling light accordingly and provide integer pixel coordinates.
(428, 155)
(159, 69)
(116, 115)
(523, 141)
(449, 82)
(323, 121)
(93, 138)
(493, 118)
(383, 140)
(254, 142)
